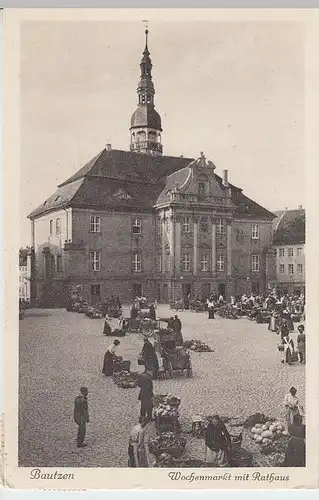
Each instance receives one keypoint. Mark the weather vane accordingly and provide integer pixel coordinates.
(145, 21)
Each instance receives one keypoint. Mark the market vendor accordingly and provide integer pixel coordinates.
(297, 428)
(136, 449)
(296, 451)
(146, 396)
(150, 358)
(177, 327)
(218, 442)
(152, 312)
(301, 340)
(109, 358)
(292, 406)
(107, 329)
(134, 311)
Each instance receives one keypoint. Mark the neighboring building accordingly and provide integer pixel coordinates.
(24, 283)
(139, 222)
(289, 246)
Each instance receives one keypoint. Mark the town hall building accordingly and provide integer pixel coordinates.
(140, 222)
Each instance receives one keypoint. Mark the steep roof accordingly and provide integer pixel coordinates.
(133, 181)
(290, 227)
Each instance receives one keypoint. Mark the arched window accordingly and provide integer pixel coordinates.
(152, 136)
(141, 136)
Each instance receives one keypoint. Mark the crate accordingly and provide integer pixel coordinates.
(126, 365)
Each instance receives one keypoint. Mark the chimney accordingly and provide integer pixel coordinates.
(300, 207)
(108, 147)
(225, 178)
(181, 156)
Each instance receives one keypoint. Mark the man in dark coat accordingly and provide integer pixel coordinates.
(150, 358)
(177, 326)
(81, 415)
(146, 397)
(152, 313)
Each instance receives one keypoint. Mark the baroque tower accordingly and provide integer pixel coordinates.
(146, 126)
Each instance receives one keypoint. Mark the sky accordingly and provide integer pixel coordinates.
(234, 90)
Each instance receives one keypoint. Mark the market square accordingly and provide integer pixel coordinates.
(61, 351)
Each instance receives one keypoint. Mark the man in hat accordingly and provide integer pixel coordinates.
(146, 395)
(81, 415)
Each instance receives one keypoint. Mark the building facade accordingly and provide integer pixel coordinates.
(289, 247)
(24, 282)
(139, 222)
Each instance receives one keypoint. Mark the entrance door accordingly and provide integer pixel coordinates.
(95, 294)
(205, 291)
(158, 292)
(222, 289)
(187, 290)
(165, 294)
(137, 290)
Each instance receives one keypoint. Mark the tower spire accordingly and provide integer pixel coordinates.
(148, 138)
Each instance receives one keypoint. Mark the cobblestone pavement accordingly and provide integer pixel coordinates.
(61, 351)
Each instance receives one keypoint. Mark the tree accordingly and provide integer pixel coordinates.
(23, 255)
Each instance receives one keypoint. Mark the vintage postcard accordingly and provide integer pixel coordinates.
(161, 275)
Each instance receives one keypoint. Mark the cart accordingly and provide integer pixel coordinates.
(145, 326)
(174, 359)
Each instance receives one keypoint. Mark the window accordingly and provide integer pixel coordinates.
(299, 251)
(282, 268)
(96, 290)
(221, 226)
(159, 262)
(167, 225)
(299, 269)
(186, 225)
(281, 252)
(58, 226)
(290, 252)
(221, 262)
(204, 224)
(255, 232)
(204, 262)
(52, 263)
(137, 265)
(59, 263)
(167, 262)
(159, 227)
(202, 189)
(186, 261)
(137, 226)
(290, 269)
(51, 226)
(95, 261)
(255, 263)
(95, 224)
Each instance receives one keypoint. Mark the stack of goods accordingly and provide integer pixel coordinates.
(126, 380)
(166, 413)
(93, 313)
(272, 438)
(169, 443)
(227, 312)
(257, 418)
(197, 346)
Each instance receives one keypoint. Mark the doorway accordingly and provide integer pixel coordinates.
(187, 290)
(206, 291)
(137, 290)
(222, 290)
(95, 294)
(164, 297)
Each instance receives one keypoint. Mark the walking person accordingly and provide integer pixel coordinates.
(211, 308)
(301, 341)
(81, 415)
(177, 327)
(146, 396)
(292, 406)
(288, 350)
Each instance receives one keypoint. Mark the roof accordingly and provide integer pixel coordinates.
(133, 181)
(290, 227)
(146, 116)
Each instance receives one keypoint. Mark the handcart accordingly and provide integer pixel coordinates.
(174, 359)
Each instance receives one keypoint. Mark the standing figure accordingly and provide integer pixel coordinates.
(301, 340)
(288, 350)
(177, 327)
(296, 451)
(107, 330)
(292, 406)
(152, 312)
(109, 358)
(146, 397)
(150, 358)
(218, 442)
(211, 308)
(81, 415)
(136, 443)
(134, 311)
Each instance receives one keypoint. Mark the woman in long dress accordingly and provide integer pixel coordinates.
(218, 442)
(301, 341)
(109, 358)
(292, 406)
(107, 329)
(288, 349)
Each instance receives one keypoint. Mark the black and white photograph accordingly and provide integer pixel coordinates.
(162, 246)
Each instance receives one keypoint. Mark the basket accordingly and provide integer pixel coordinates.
(141, 361)
(281, 348)
(126, 365)
(236, 441)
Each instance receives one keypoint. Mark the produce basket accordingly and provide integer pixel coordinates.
(167, 443)
(281, 347)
